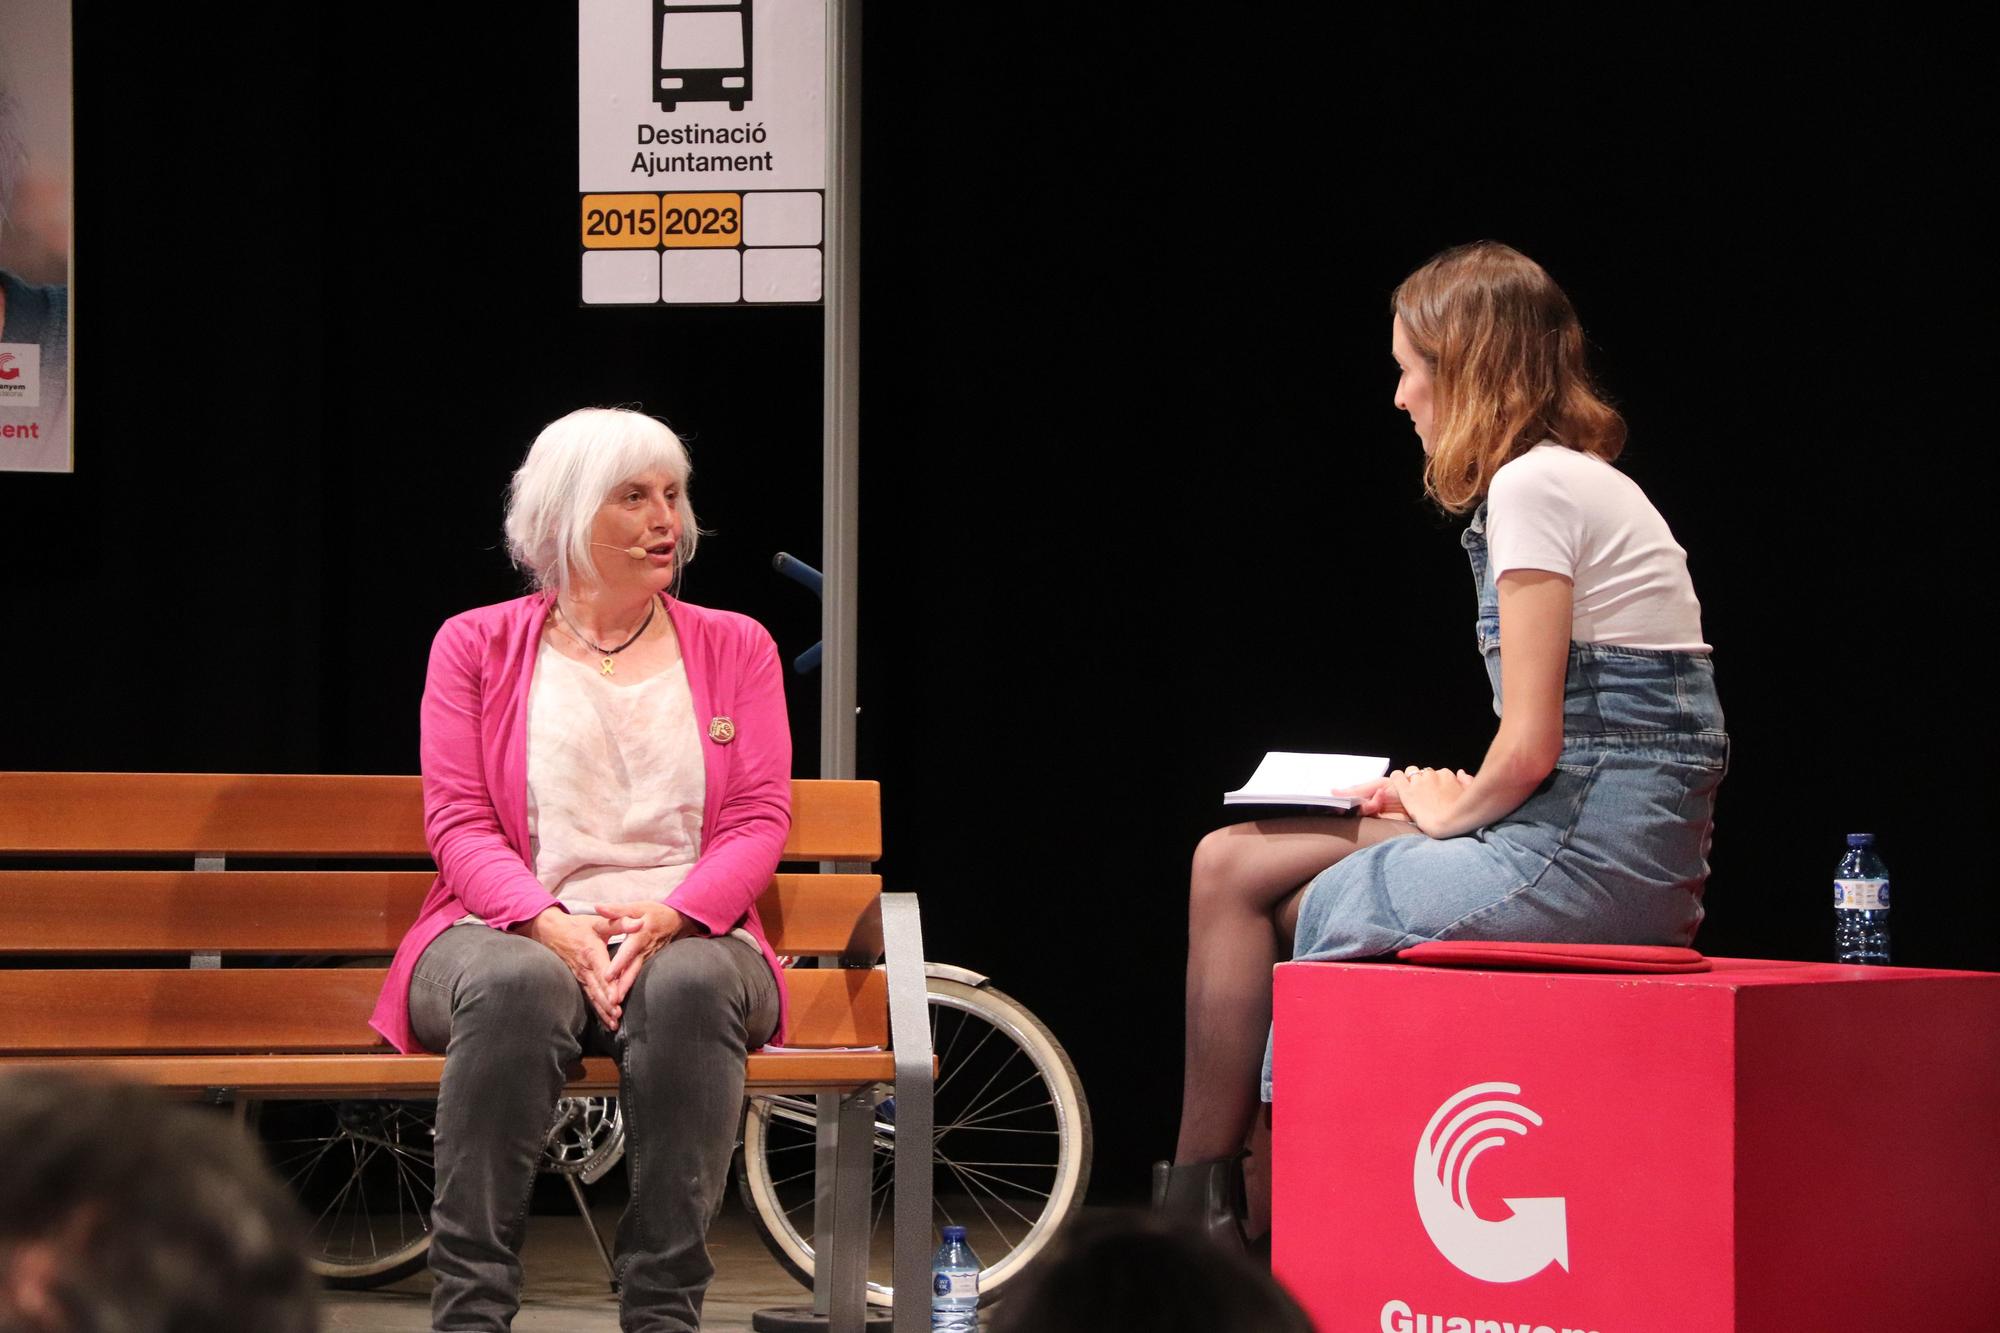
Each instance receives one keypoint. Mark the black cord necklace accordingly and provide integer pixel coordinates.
(607, 653)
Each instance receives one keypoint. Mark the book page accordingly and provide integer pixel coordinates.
(1290, 777)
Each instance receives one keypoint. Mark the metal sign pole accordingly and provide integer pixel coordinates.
(841, 387)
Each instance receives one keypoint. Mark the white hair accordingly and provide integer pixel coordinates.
(572, 465)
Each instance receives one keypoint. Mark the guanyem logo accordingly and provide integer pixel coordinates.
(1397, 1317)
(1507, 1250)
(20, 375)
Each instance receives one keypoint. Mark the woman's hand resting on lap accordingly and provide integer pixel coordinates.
(1379, 799)
(647, 927)
(580, 942)
(1420, 796)
(1428, 795)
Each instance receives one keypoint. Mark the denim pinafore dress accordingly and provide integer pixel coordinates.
(1611, 849)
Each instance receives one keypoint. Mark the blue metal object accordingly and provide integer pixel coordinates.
(799, 572)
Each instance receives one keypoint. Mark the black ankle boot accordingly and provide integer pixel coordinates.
(1205, 1196)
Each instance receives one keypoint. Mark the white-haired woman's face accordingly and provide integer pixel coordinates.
(641, 512)
(1413, 389)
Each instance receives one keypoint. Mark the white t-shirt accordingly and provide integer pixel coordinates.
(1573, 514)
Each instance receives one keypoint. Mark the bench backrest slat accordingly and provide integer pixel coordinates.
(282, 1010)
(105, 1010)
(356, 912)
(318, 815)
(221, 814)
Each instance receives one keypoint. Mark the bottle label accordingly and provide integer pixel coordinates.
(955, 1286)
(1861, 895)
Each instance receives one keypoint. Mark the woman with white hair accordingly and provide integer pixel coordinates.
(606, 791)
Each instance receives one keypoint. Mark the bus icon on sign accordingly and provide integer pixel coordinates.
(701, 52)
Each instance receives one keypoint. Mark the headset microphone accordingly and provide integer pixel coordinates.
(636, 552)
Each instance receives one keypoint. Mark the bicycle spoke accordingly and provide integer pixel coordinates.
(403, 1188)
(361, 1190)
(342, 1194)
(976, 1180)
(986, 1126)
(793, 1109)
(974, 1101)
(966, 1171)
(414, 1181)
(796, 1175)
(944, 1056)
(939, 1090)
(402, 1154)
(415, 1167)
(292, 1181)
(1000, 1230)
(1034, 1075)
(790, 1147)
(339, 1197)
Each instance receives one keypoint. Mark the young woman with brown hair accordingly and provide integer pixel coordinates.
(1588, 820)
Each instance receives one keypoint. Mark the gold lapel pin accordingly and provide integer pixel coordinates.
(721, 730)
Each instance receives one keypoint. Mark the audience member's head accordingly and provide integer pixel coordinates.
(1135, 1271)
(121, 1213)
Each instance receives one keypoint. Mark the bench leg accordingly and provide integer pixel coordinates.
(910, 1031)
(590, 1225)
(844, 1160)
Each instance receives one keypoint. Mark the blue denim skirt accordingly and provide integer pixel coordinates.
(1611, 849)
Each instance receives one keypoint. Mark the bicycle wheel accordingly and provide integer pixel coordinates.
(364, 1175)
(362, 1172)
(1011, 1135)
(587, 1139)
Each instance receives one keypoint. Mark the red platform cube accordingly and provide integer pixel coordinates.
(1769, 1145)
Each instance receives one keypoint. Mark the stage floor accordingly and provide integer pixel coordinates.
(565, 1291)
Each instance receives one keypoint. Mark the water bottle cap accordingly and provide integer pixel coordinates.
(1860, 840)
(954, 1235)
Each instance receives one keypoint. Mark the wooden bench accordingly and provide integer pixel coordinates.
(181, 992)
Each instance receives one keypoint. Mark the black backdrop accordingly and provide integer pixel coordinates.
(1136, 505)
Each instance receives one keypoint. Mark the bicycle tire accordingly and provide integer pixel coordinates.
(779, 1198)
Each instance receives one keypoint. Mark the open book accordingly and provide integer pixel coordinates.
(1290, 778)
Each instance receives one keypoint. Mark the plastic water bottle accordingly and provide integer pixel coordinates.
(955, 1285)
(1861, 904)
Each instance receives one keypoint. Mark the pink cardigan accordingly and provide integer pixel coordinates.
(474, 749)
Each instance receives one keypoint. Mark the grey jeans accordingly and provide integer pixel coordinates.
(509, 1017)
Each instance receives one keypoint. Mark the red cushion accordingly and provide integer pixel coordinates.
(1555, 957)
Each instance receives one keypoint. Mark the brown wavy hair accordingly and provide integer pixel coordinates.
(1508, 368)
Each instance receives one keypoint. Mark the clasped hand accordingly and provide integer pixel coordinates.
(1421, 796)
(583, 944)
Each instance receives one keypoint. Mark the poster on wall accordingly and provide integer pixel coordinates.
(701, 129)
(36, 203)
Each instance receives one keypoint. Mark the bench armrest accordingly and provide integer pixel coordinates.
(910, 1032)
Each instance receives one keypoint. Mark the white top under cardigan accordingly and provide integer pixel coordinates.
(1574, 514)
(615, 783)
